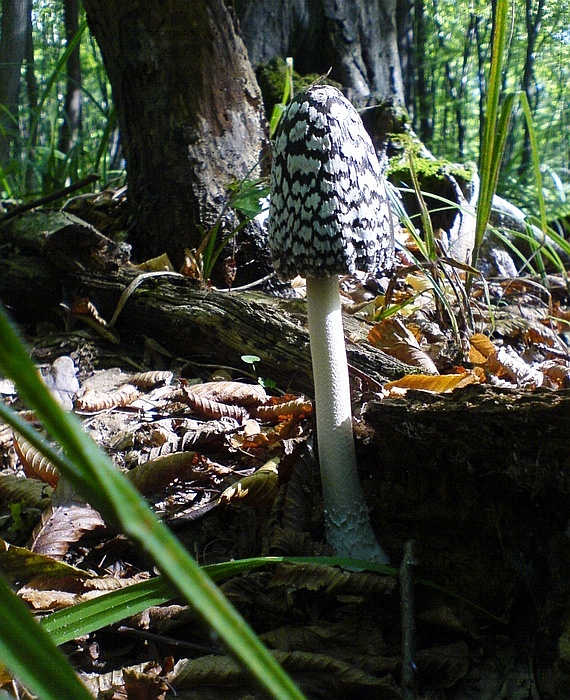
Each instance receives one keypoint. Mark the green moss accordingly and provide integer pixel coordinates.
(271, 79)
(426, 168)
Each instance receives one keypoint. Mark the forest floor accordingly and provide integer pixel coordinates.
(466, 462)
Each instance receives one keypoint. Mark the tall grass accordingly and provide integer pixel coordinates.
(38, 166)
(495, 132)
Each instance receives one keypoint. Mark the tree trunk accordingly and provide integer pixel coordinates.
(405, 24)
(424, 99)
(356, 39)
(71, 126)
(31, 82)
(189, 110)
(15, 18)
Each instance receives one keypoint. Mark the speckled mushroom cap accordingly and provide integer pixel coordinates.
(328, 211)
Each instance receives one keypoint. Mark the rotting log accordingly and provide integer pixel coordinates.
(480, 479)
(202, 325)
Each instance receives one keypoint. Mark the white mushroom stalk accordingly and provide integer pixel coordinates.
(329, 215)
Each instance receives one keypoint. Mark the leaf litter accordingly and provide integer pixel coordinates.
(193, 447)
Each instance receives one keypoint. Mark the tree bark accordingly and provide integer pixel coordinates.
(479, 479)
(423, 115)
(406, 49)
(15, 18)
(189, 110)
(356, 39)
(72, 109)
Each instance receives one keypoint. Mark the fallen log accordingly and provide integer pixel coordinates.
(206, 325)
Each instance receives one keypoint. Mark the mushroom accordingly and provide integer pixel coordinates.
(329, 215)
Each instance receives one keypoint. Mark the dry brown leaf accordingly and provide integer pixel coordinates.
(161, 262)
(231, 392)
(413, 356)
(391, 336)
(113, 583)
(155, 475)
(47, 600)
(506, 361)
(209, 408)
(34, 464)
(441, 384)
(280, 408)
(557, 371)
(206, 435)
(331, 579)
(92, 401)
(62, 525)
(259, 489)
(443, 666)
(148, 684)
(480, 347)
(390, 332)
(540, 335)
(85, 307)
(148, 380)
(335, 676)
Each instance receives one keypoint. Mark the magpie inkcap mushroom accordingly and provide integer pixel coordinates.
(329, 215)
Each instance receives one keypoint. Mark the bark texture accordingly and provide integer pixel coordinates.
(15, 17)
(479, 479)
(356, 39)
(71, 126)
(206, 326)
(189, 110)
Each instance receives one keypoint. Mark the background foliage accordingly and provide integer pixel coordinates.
(451, 47)
(452, 40)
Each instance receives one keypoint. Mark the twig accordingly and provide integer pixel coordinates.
(247, 286)
(52, 197)
(408, 622)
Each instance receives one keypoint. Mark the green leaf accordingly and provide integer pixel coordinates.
(247, 197)
(30, 655)
(493, 136)
(250, 359)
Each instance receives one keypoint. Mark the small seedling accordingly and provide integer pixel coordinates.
(251, 360)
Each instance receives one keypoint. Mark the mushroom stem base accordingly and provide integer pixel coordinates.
(347, 521)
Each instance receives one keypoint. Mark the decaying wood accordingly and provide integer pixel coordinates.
(205, 326)
(480, 432)
(480, 479)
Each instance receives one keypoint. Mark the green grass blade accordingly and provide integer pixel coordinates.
(537, 173)
(30, 655)
(488, 159)
(110, 608)
(429, 237)
(93, 474)
(107, 609)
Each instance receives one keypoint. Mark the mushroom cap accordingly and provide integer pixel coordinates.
(328, 212)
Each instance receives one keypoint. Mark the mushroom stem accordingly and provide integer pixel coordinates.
(347, 522)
